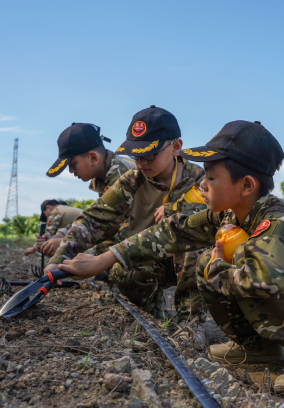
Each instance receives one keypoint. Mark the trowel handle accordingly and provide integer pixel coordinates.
(59, 274)
(54, 276)
(42, 228)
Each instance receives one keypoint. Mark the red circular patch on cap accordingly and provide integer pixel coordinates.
(262, 227)
(139, 128)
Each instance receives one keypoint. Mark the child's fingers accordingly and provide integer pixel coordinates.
(64, 267)
(219, 249)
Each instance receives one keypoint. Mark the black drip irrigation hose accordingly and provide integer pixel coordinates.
(195, 386)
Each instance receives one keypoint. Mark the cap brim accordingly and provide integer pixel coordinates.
(140, 148)
(201, 154)
(58, 167)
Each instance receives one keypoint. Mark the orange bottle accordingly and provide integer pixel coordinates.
(194, 195)
(230, 237)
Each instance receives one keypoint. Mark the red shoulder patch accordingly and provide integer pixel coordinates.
(47, 222)
(262, 227)
(107, 187)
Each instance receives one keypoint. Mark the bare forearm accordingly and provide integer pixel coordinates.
(85, 266)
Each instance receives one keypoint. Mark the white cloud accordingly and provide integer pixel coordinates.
(9, 129)
(16, 129)
(7, 117)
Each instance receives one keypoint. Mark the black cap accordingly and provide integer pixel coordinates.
(43, 218)
(76, 139)
(246, 143)
(148, 131)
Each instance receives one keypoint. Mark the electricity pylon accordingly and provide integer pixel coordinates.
(12, 201)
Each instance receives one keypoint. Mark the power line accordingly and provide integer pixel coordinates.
(12, 201)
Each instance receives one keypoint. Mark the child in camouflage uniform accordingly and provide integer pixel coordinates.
(56, 214)
(81, 147)
(244, 296)
(144, 195)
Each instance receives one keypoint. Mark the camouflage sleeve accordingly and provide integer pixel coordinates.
(117, 169)
(102, 220)
(177, 234)
(65, 229)
(257, 269)
(53, 222)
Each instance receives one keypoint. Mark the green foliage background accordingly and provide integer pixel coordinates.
(20, 226)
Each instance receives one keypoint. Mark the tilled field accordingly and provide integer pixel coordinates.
(80, 348)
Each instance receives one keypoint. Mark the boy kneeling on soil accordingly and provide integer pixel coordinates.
(245, 296)
(144, 195)
(81, 147)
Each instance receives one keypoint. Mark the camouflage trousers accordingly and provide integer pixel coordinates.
(249, 321)
(144, 284)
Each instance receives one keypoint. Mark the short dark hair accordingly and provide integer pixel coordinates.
(99, 149)
(49, 202)
(238, 171)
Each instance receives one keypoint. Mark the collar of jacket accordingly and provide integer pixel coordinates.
(97, 183)
(250, 222)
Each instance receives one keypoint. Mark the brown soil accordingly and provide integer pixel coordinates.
(71, 324)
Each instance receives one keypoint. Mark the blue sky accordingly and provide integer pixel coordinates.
(207, 62)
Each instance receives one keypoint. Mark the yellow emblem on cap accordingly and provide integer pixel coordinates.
(199, 154)
(146, 149)
(61, 164)
(120, 149)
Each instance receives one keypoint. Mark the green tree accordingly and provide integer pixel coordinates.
(5, 228)
(18, 225)
(282, 188)
(32, 224)
(21, 226)
(77, 204)
(83, 204)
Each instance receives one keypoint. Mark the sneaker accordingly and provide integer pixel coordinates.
(232, 353)
(279, 384)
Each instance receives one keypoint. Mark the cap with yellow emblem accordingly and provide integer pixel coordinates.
(148, 131)
(247, 143)
(76, 139)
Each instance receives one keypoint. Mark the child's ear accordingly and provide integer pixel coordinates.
(93, 157)
(249, 185)
(177, 145)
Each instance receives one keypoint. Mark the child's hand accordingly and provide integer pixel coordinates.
(159, 214)
(49, 247)
(85, 266)
(29, 251)
(217, 251)
(41, 239)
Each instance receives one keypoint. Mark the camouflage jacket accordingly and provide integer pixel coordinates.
(133, 197)
(116, 166)
(61, 216)
(258, 264)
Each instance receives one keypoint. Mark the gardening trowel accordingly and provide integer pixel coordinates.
(21, 299)
(6, 285)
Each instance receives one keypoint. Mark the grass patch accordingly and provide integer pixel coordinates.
(15, 241)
